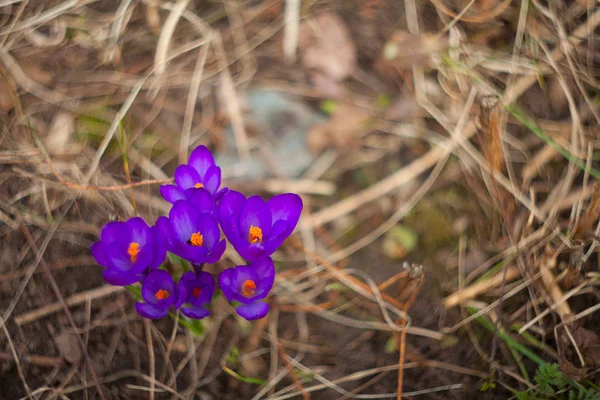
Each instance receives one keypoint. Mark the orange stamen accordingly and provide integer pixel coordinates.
(196, 292)
(255, 234)
(248, 288)
(133, 251)
(198, 185)
(196, 239)
(162, 294)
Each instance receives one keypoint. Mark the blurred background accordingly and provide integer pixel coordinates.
(446, 151)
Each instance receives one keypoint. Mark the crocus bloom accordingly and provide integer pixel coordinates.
(128, 250)
(257, 228)
(199, 288)
(192, 234)
(247, 285)
(199, 172)
(201, 198)
(160, 294)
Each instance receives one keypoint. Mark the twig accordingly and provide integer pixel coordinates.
(64, 306)
(70, 301)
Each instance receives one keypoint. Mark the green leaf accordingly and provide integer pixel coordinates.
(328, 106)
(242, 378)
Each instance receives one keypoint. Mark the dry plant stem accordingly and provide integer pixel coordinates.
(475, 289)
(291, 372)
(64, 306)
(42, 361)
(150, 356)
(15, 357)
(70, 301)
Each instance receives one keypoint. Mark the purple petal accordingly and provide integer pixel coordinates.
(219, 195)
(182, 217)
(201, 198)
(164, 226)
(98, 251)
(265, 269)
(286, 207)
(255, 213)
(181, 295)
(252, 311)
(208, 226)
(155, 281)
(186, 177)
(201, 160)
(253, 252)
(171, 193)
(158, 246)
(140, 231)
(278, 230)
(229, 210)
(195, 312)
(120, 278)
(212, 179)
(151, 312)
(216, 252)
(194, 254)
(113, 232)
(225, 282)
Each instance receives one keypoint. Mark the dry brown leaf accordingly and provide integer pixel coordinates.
(328, 47)
(68, 347)
(347, 123)
(404, 49)
(59, 139)
(7, 101)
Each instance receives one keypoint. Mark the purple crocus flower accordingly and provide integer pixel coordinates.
(160, 294)
(201, 198)
(199, 288)
(257, 228)
(128, 250)
(247, 285)
(192, 234)
(199, 172)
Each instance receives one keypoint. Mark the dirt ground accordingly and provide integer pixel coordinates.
(446, 152)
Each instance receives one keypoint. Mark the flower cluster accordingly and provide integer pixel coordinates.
(132, 251)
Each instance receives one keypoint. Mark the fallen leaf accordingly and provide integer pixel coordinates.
(347, 123)
(60, 133)
(328, 47)
(68, 347)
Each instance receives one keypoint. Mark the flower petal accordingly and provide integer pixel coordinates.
(98, 251)
(252, 311)
(286, 207)
(120, 278)
(186, 177)
(151, 312)
(216, 252)
(158, 246)
(212, 179)
(229, 210)
(200, 198)
(155, 281)
(195, 312)
(164, 226)
(201, 160)
(182, 217)
(140, 231)
(171, 193)
(225, 282)
(255, 213)
(113, 232)
(208, 226)
(265, 269)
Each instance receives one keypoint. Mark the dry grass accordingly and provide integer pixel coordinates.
(505, 111)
